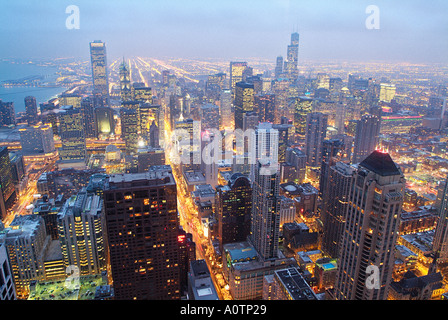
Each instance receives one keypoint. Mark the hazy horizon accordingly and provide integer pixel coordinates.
(412, 31)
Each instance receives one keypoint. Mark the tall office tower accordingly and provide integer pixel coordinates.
(233, 209)
(226, 118)
(70, 99)
(37, 140)
(244, 102)
(154, 133)
(188, 142)
(8, 193)
(129, 129)
(280, 88)
(26, 242)
(141, 93)
(200, 283)
(125, 82)
(292, 61)
(236, 75)
(284, 131)
(440, 243)
(334, 205)
(340, 117)
(264, 104)
(366, 137)
(142, 229)
(387, 92)
(73, 139)
(7, 113)
(187, 250)
(81, 235)
(278, 67)
(209, 116)
(100, 75)
(104, 120)
(332, 151)
(264, 147)
(265, 223)
(31, 110)
(149, 114)
(88, 111)
(316, 130)
(302, 106)
(7, 288)
(370, 230)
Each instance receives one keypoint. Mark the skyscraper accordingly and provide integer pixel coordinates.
(100, 75)
(291, 64)
(233, 209)
(301, 106)
(31, 110)
(7, 113)
(37, 140)
(226, 119)
(278, 67)
(142, 227)
(370, 230)
(125, 82)
(316, 130)
(8, 192)
(264, 104)
(81, 235)
(236, 75)
(104, 120)
(440, 243)
(366, 137)
(129, 129)
(88, 111)
(73, 140)
(244, 102)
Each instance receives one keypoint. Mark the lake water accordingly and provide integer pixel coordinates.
(14, 71)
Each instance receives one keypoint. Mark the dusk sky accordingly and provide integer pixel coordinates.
(410, 31)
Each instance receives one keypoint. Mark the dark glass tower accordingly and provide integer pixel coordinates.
(31, 110)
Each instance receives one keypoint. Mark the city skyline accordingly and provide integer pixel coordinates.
(229, 29)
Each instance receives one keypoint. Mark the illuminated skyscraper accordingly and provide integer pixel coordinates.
(244, 102)
(81, 235)
(99, 71)
(236, 75)
(233, 209)
(7, 113)
(125, 82)
(104, 119)
(279, 67)
(366, 137)
(264, 104)
(316, 130)
(8, 193)
(291, 64)
(88, 111)
(387, 92)
(142, 229)
(301, 106)
(440, 243)
(73, 140)
(31, 110)
(370, 230)
(226, 119)
(129, 129)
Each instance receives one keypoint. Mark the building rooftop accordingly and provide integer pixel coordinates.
(295, 284)
(381, 163)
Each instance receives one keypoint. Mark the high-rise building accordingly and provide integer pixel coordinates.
(187, 250)
(125, 82)
(73, 139)
(226, 118)
(233, 209)
(7, 113)
(37, 140)
(200, 283)
(332, 151)
(387, 92)
(129, 129)
(291, 64)
(278, 67)
(209, 116)
(236, 75)
(7, 288)
(8, 194)
(264, 105)
(302, 106)
(142, 229)
(26, 241)
(371, 222)
(265, 224)
(440, 243)
(81, 235)
(31, 110)
(316, 130)
(366, 137)
(100, 75)
(244, 102)
(335, 193)
(88, 111)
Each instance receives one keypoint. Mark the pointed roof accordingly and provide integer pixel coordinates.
(381, 163)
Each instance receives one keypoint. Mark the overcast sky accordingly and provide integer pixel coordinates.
(410, 30)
